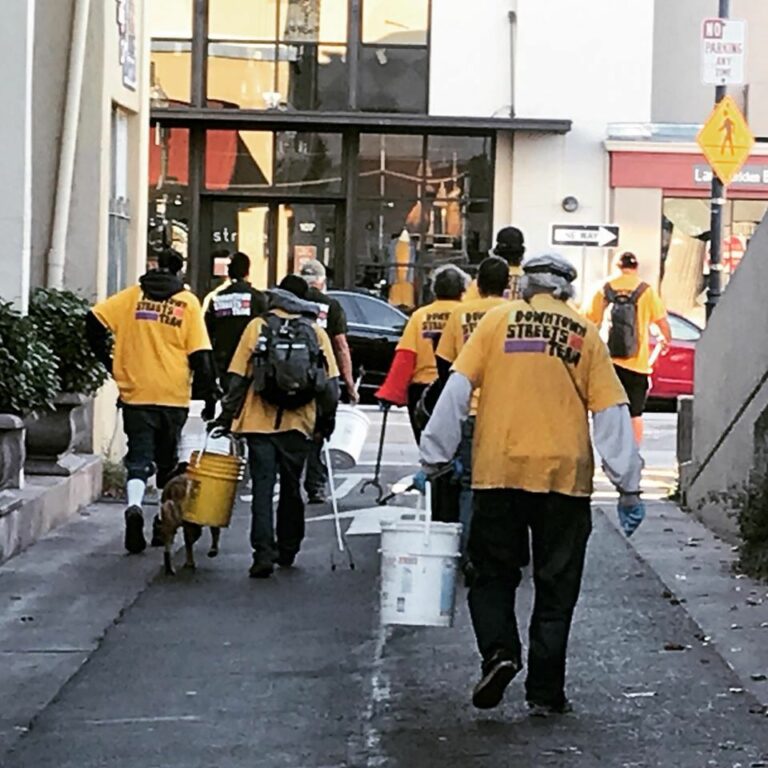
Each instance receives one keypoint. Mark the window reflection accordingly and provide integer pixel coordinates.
(242, 19)
(314, 78)
(395, 22)
(390, 165)
(313, 21)
(393, 79)
(308, 162)
(239, 159)
(170, 18)
(242, 75)
(171, 72)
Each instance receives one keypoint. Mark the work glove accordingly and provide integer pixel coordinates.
(209, 409)
(631, 511)
(419, 482)
(220, 427)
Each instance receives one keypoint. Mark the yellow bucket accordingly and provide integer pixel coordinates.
(213, 479)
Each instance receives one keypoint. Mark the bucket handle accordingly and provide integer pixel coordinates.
(427, 511)
(232, 451)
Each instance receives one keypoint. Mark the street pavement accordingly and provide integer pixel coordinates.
(109, 663)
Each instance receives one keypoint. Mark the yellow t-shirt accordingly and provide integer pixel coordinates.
(422, 334)
(153, 340)
(511, 294)
(258, 416)
(532, 429)
(460, 326)
(650, 309)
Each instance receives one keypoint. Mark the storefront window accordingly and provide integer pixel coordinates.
(283, 161)
(169, 200)
(685, 248)
(395, 22)
(431, 193)
(170, 24)
(393, 79)
(280, 54)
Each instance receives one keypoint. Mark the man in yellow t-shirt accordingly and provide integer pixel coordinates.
(160, 341)
(414, 367)
(629, 295)
(492, 282)
(510, 246)
(541, 369)
(278, 438)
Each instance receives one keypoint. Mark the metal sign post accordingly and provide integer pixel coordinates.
(716, 210)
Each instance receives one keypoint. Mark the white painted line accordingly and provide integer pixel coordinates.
(133, 720)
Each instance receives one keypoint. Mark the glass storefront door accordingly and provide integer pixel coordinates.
(278, 236)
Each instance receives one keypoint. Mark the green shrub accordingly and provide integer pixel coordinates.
(29, 379)
(60, 318)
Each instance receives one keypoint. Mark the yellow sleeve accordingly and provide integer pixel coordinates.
(196, 334)
(327, 348)
(474, 354)
(241, 360)
(409, 339)
(596, 309)
(112, 311)
(472, 292)
(658, 310)
(448, 347)
(603, 386)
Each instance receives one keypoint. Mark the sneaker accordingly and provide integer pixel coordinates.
(285, 559)
(317, 497)
(157, 533)
(261, 569)
(498, 673)
(547, 710)
(134, 530)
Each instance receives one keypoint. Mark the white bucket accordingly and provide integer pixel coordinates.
(418, 572)
(348, 438)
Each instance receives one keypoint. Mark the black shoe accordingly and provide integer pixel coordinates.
(134, 530)
(157, 533)
(285, 559)
(498, 673)
(317, 497)
(536, 709)
(261, 569)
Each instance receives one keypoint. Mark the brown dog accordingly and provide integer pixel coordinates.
(171, 510)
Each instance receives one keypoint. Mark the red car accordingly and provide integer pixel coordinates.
(673, 371)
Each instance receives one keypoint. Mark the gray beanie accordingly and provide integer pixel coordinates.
(548, 273)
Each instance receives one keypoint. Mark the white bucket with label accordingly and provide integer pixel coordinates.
(419, 562)
(348, 438)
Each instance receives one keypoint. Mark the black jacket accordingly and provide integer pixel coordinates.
(228, 314)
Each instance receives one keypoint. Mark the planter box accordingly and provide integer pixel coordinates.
(11, 452)
(52, 436)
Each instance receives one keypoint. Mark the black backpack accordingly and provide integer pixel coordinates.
(288, 364)
(623, 337)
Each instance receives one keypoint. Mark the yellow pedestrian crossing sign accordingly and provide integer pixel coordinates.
(725, 139)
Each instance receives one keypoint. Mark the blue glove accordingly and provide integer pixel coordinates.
(631, 512)
(420, 481)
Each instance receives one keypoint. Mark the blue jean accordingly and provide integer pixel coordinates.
(282, 453)
(466, 497)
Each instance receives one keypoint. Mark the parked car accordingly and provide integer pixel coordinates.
(673, 371)
(374, 328)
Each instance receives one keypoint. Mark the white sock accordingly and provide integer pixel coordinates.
(135, 491)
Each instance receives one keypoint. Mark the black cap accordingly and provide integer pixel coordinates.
(508, 239)
(628, 260)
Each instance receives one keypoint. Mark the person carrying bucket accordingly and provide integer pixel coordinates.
(160, 341)
(541, 369)
(510, 246)
(282, 392)
(492, 282)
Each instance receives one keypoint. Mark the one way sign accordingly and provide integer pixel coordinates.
(593, 235)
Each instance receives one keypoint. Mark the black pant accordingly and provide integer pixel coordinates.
(415, 391)
(316, 477)
(499, 547)
(153, 433)
(282, 453)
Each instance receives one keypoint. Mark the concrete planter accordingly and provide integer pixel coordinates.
(51, 437)
(11, 451)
